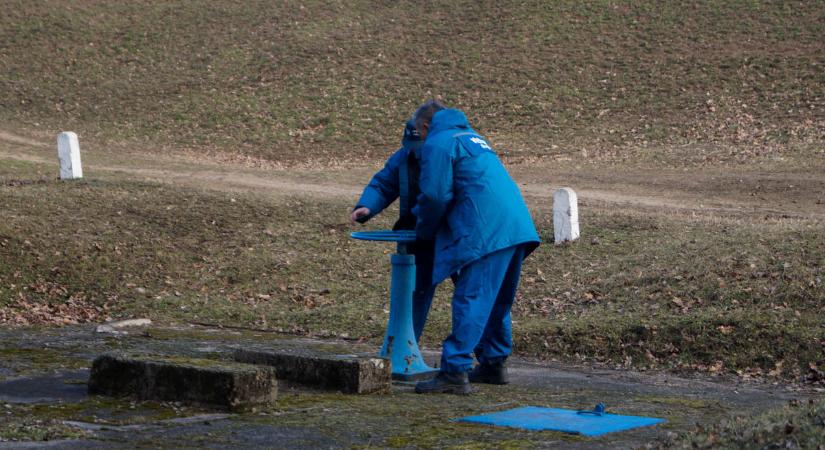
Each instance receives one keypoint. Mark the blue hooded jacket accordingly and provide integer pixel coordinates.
(382, 189)
(385, 186)
(468, 201)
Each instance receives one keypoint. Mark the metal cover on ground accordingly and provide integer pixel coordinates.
(567, 421)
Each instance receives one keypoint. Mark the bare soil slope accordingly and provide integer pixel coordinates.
(734, 80)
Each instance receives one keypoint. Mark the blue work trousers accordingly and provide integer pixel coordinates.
(424, 252)
(484, 293)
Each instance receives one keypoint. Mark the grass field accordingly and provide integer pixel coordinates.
(640, 291)
(731, 81)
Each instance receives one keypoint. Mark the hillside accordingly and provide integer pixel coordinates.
(300, 81)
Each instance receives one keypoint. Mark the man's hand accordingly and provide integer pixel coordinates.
(359, 215)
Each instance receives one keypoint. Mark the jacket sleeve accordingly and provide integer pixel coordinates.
(436, 185)
(382, 189)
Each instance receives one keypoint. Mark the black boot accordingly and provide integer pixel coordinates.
(495, 373)
(445, 382)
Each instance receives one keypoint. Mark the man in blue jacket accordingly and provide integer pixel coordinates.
(482, 229)
(399, 179)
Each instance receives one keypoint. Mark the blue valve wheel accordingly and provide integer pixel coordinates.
(385, 235)
(599, 410)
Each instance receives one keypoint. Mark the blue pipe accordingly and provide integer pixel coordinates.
(400, 345)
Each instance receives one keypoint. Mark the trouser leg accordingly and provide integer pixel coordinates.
(475, 295)
(422, 300)
(424, 287)
(497, 341)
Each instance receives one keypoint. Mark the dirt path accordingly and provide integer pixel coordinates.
(8, 137)
(179, 170)
(752, 193)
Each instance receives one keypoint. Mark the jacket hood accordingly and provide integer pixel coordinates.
(446, 119)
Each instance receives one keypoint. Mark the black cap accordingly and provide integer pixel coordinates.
(412, 138)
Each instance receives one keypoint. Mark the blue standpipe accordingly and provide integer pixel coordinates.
(400, 346)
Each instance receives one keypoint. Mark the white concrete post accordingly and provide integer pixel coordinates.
(565, 215)
(68, 151)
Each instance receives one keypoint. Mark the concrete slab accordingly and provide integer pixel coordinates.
(63, 387)
(353, 374)
(196, 381)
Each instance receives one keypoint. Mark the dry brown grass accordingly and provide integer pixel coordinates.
(677, 82)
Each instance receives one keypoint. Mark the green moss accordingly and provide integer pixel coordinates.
(44, 422)
(28, 361)
(34, 355)
(405, 419)
(162, 332)
(798, 425)
(107, 410)
(187, 361)
(692, 403)
(512, 444)
(35, 430)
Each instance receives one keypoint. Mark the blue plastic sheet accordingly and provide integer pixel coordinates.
(567, 421)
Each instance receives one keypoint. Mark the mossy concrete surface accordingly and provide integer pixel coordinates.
(303, 417)
(348, 373)
(198, 381)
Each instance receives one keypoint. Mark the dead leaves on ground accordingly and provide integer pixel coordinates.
(76, 309)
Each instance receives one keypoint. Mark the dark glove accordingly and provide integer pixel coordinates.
(405, 222)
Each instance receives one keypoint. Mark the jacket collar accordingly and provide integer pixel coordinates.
(447, 119)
